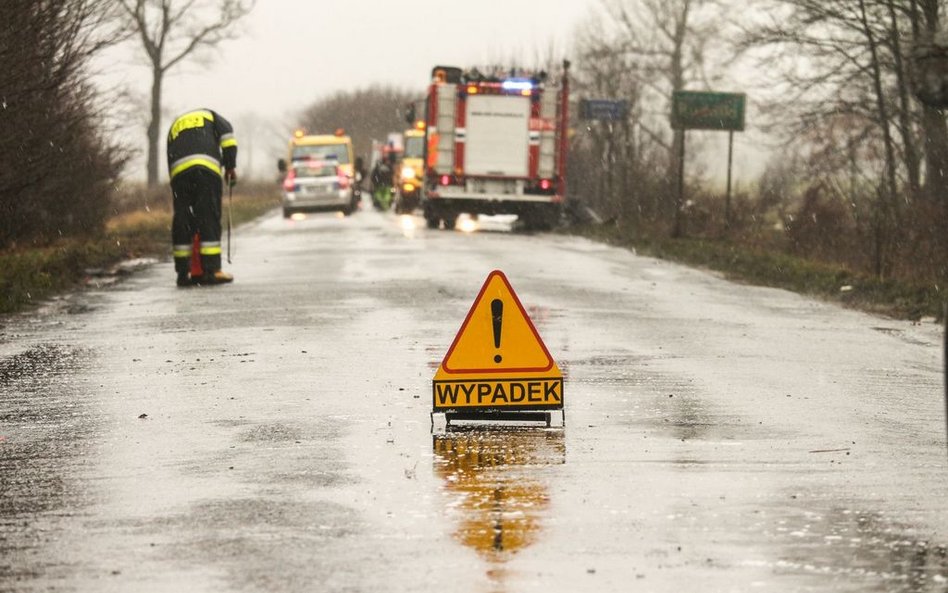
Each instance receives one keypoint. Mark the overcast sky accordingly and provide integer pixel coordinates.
(290, 53)
(294, 51)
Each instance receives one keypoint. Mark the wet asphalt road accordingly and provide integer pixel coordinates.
(273, 435)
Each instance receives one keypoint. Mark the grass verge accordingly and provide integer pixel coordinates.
(28, 275)
(900, 299)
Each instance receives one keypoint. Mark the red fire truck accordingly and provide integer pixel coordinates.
(496, 144)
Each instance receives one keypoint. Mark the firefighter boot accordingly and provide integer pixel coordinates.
(216, 277)
(184, 280)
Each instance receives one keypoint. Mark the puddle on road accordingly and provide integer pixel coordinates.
(688, 418)
(495, 483)
(261, 543)
(864, 551)
(270, 506)
(661, 404)
(46, 431)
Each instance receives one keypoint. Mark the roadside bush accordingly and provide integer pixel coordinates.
(365, 114)
(58, 170)
(821, 228)
(139, 197)
(923, 254)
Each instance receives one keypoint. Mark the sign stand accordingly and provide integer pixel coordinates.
(680, 198)
(499, 416)
(497, 368)
(727, 195)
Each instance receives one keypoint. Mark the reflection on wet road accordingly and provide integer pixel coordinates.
(273, 435)
(48, 429)
(494, 479)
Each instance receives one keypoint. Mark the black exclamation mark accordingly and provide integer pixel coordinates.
(497, 316)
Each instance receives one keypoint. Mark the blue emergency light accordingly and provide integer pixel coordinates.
(517, 84)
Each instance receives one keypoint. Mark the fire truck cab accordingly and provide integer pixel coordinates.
(495, 144)
(410, 170)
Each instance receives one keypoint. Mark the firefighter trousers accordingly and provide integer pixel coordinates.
(197, 209)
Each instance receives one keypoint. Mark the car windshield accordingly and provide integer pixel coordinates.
(414, 147)
(315, 168)
(339, 152)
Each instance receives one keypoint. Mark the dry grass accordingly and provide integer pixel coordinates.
(140, 227)
(766, 265)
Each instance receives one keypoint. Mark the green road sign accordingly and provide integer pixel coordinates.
(693, 110)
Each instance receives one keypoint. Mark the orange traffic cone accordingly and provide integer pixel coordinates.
(197, 270)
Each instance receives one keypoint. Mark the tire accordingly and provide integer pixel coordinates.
(432, 220)
(450, 222)
(287, 212)
(535, 223)
(544, 219)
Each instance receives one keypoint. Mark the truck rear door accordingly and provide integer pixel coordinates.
(497, 136)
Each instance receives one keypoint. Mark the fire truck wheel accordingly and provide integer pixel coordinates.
(540, 219)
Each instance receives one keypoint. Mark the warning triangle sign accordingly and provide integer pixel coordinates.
(497, 336)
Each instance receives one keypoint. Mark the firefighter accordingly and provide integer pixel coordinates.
(201, 150)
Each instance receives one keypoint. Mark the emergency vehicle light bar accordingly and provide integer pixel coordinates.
(517, 84)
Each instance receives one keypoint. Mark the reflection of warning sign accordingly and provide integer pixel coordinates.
(497, 359)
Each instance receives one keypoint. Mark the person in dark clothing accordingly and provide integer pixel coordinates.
(201, 150)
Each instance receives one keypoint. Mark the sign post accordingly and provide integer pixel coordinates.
(497, 368)
(727, 194)
(693, 110)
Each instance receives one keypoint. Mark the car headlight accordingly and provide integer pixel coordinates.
(408, 173)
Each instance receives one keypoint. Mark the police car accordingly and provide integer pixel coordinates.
(319, 174)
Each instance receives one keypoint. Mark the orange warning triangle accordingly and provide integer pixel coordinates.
(497, 336)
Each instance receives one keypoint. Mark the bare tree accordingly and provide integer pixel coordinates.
(170, 31)
(839, 63)
(926, 21)
(613, 181)
(640, 51)
(365, 114)
(668, 40)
